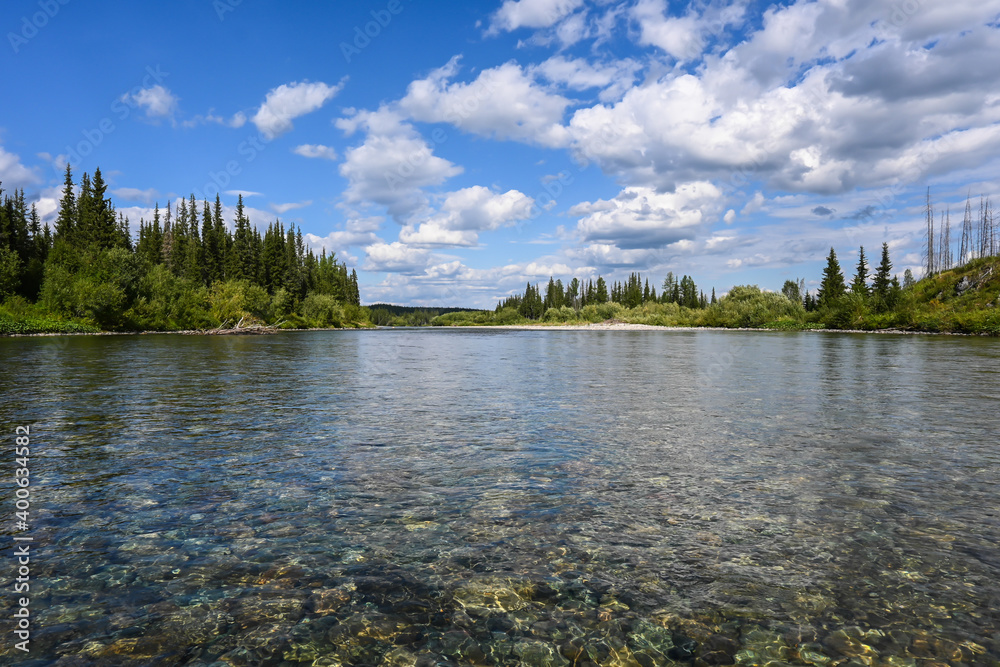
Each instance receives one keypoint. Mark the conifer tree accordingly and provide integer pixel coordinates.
(882, 285)
(103, 230)
(832, 287)
(66, 222)
(356, 294)
(860, 283)
(601, 291)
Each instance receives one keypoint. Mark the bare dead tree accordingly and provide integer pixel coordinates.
(984, 230)
(929, 252)
(994, 234)
(946, 243)
(965, 247)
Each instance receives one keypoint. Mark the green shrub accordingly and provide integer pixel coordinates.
(746, 306)
(847, 312)
(166, 303)
(507, 316)
(610, 311)
(233, 300)
(282, 304)
(323, 310)
(562, 314)
(33, 325)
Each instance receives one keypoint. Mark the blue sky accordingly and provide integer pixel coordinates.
(453, 151)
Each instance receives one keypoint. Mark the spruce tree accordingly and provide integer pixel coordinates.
(601, 293)
(356, 293)
(860, 283)
(66, 222)
(103, 231)
(832, 287)
(882, 285)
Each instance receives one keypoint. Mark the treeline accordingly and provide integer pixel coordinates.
(630, 293)
(187, 269)
(389, 315)
(963, 299)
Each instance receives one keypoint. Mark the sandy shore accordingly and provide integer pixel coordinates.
(624, 326)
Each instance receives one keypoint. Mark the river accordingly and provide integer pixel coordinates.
(493, 497)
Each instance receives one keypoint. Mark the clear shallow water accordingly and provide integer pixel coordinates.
(497, 497)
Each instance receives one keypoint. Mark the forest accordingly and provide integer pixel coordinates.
(188, 269)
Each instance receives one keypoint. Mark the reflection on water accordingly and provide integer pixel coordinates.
(493, 498)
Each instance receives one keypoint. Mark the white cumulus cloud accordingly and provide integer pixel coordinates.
(393, 165)
(640, 217)
(514, 14)
(502, 102)
(13, 173)
(289, 101)
(465, 213)
(157, 101)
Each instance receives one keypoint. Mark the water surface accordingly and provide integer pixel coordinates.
(499, 497)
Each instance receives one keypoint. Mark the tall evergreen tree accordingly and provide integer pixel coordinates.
(859, 285)
(601, 291)
(882, 285)
(832, 287)
(66, 222)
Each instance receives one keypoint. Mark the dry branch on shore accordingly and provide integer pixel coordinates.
(240, 328)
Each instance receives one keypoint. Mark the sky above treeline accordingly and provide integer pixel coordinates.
(454, 151)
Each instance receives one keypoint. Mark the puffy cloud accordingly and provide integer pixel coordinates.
(640, 217)
(465, 213)
(396, 257)
(315, 151)
(358, 231)
(433, 234)
(577, 74)
(157, 101)
(502, 102)
(13, 174)
(825, 97)
(678, 36)
(514, 14)
(289, 101)
(392, 165)
(479, 208)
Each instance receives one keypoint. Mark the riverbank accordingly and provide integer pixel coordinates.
(626, 326)
(598, 326)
